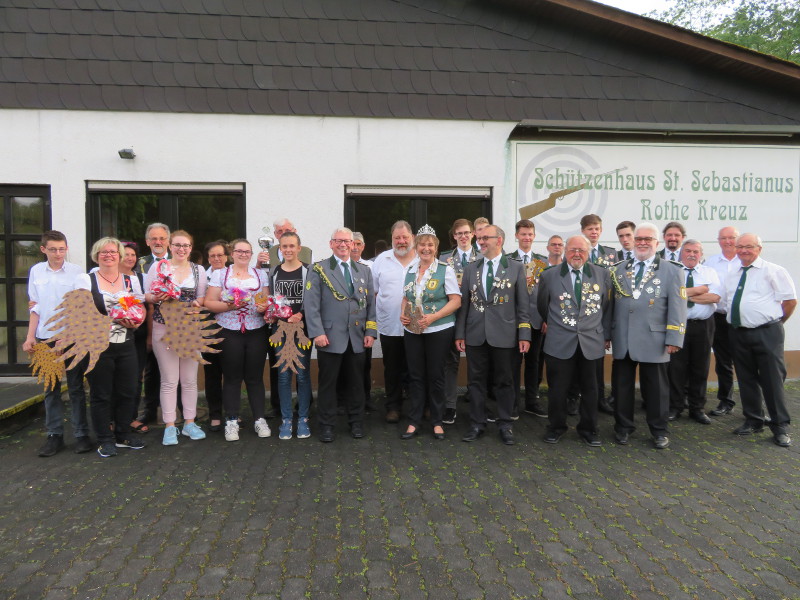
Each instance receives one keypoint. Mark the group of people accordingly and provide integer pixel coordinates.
(511, 313)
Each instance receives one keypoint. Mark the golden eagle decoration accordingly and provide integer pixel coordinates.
(188, 334)
(289, 338)
(46, 366)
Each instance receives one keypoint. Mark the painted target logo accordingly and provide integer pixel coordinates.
(556, 169)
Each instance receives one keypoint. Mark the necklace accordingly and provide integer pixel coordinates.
(108, 280)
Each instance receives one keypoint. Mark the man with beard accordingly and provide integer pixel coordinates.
(647, 327)
(674, 234)
(492, 325)
(389, 274)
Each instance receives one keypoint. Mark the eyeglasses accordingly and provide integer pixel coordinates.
(182, 246)
(462, 233)
(738, 247)
(577, 251)
(243, 252)
(646, 240)
(486, 238)
(56, 250)
(108, 253)
(339, 242)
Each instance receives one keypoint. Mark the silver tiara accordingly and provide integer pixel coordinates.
(426, 230)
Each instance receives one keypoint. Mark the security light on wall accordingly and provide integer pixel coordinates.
(127, 153)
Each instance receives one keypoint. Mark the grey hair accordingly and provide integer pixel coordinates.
(399, 224)
(758, 238)
(651, 226)
(357, 235)
(343, 229)
(156, 226)
(281, 221)
(693, 241)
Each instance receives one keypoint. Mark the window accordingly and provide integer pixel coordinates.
(372, 210)
(24, 216)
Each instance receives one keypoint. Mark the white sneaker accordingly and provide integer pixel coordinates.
(262, 429)
(231, 431)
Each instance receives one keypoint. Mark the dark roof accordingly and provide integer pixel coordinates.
(510, 60)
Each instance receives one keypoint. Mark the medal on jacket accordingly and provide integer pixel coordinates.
(636, 294)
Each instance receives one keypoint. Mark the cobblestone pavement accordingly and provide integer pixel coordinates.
(713, 516)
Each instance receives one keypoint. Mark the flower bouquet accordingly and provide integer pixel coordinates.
(278, 307)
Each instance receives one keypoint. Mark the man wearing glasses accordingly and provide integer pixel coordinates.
(491, 326)
(648, 326)
(340, 317)
(48, 282)
(760, 297)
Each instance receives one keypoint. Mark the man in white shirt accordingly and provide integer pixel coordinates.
(389, 274)
(723, 263)
(688, 367)
(760, 297)
(48, 282)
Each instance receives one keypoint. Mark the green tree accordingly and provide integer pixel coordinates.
(768, 26)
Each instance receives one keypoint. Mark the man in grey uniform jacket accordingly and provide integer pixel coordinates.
(340, 318)
(490, 327)
(648, 325)
(574, 300)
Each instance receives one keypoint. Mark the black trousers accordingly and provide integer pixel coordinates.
(530, 361)
(761, 371)
(654, 384)
(342, 390)
(688, 367)
(395, 370)
(243, 358)
(723, 359)
(333, 367)
(479, 360)
(274, 392)
(112, 390)
(561, 372)
(427, 354)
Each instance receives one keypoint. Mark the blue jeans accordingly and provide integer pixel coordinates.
(54, 405)
(303, 387)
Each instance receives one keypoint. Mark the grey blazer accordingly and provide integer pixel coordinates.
(499, 318)
(570, 324)
(645, 326)
(332, 311)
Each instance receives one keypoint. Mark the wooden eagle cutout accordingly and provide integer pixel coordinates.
(291, 338)
(46, 366)
(83, 330)
(188, 334)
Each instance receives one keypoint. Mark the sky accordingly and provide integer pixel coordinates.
(637, 6)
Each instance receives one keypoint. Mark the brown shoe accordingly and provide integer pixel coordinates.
(392, 416)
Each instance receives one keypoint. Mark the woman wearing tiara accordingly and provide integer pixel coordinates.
(431, 297)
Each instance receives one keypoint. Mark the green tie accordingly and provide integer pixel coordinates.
(348, 279)
(639, 274)
(464, 259)
(489, 278)
(577, 287)
(690, 284)
(525, 260)
(736, 319)
(594, 255)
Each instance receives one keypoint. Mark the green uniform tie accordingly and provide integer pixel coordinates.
(489, 278)
(736, 319)
(577, 287)
(690, 284)
(639, 273)
(348, 279)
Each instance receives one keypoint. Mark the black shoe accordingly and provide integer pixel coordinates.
(52, 446)
(357, 431)
(534, 408)
(449, 416)
(473, 434)
(326, 434)
(130, 441)
(407, 435)
(438, 436)
(606, 405)
(748, 429)
(107, 449)
(722, 410)
(83, 444)
(660, 442)
(146, 418)
(622, 437)
(217, 427)
(700, 417)
(552, 437)
(592, 439)
(782, 439)
(507, 436)
(572, 406)
(674, 414)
